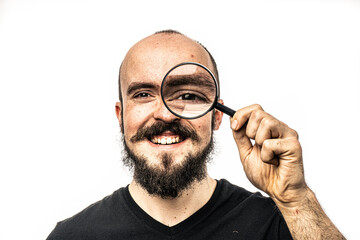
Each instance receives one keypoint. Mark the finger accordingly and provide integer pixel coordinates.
(269, 127)
(255, 120)
(242, 116)
(239, 124)
(262, 126)
(267, 153)
(284, 149)
(243, 143)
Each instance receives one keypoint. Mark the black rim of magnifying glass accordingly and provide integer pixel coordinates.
(211, 74)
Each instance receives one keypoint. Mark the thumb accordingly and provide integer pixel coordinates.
(242, 140)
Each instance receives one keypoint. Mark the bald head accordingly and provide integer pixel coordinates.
(153, 56)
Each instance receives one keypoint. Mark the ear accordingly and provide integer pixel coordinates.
(118, 112)
(218, 116)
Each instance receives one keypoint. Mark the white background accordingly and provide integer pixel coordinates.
(59, 60)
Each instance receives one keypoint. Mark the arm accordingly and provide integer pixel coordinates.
(307, 220)
(274, 165)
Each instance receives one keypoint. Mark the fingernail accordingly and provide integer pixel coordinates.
(234, 124)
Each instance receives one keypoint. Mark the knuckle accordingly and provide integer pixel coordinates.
(296, 146)
(292, 133)
(270, 124)
(296, 134)
(257, 114)
(257, 106)
(266, 144)
(268, 121)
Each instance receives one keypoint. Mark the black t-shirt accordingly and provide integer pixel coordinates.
(231, 213)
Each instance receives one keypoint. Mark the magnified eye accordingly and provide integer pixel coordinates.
(188, 96)
(189, 90)
(192, 98)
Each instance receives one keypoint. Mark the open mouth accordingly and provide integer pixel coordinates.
(166, 140)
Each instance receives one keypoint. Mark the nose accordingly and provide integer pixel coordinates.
(163, 114)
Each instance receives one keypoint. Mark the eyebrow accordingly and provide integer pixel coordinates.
(193, 79)
(140, 85)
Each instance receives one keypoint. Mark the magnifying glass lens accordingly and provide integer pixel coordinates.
(189, 90)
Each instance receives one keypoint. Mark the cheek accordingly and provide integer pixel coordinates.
(203, 128)
(136, 116)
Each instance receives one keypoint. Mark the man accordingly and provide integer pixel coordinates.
(171, 195)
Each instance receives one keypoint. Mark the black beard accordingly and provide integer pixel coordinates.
(168, 183)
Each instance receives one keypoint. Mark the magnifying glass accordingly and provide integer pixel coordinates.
(189, 90)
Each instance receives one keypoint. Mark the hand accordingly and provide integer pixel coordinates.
(274, 163)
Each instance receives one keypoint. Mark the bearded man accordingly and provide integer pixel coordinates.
(171, 195)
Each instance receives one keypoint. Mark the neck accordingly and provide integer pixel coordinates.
(173, 211)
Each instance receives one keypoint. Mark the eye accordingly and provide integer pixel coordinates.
(142, 95)
(188, 96)
(191, 97)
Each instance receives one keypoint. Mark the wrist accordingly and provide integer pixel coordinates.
(296, 201)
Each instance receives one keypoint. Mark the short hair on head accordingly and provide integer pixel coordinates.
(171, 31)
(168, 31)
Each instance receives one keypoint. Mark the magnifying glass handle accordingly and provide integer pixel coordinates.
(225, 109)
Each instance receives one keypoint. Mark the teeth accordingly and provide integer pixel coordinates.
(165, 140)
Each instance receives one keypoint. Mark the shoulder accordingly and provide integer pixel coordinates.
(238, 197)
(230, 190)
(250, 214)
(92, 217)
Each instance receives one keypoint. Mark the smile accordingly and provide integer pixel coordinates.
(166, 140)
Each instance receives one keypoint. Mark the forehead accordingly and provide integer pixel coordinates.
(152, 57)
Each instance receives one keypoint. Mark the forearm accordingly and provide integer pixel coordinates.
(307, 220)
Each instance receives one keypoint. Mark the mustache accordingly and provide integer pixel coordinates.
(160, 127)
